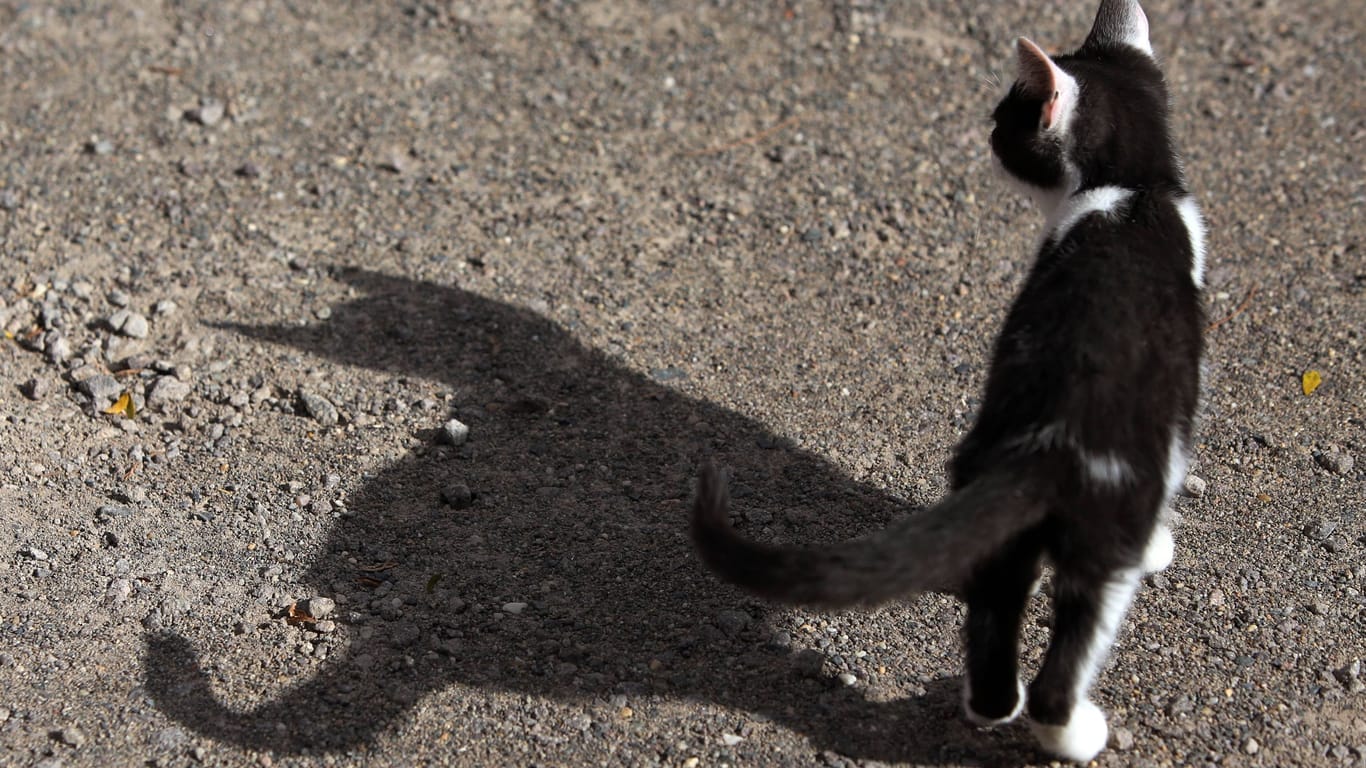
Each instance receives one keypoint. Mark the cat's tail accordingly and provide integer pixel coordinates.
(934, 549)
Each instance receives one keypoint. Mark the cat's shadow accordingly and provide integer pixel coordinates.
(580, 471)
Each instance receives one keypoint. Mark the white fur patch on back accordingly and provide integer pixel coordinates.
(1195, 229)
(1102, 200)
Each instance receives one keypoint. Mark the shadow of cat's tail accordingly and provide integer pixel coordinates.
(310, 717)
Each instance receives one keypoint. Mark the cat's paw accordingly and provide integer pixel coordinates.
(983, 721)
(1080, 739)
(1160, 550)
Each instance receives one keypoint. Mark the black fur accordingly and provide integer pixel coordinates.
(1087, 413)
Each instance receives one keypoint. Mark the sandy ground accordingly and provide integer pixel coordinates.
(289, 242)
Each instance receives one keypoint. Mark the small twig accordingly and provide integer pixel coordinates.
(760, 136)
(1242, 305)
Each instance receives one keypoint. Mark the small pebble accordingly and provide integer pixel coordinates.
(208, 113)
(455, 432)
(847, 678)
(1251, 746)
(102, 388)
(107, 511)
(320, 607)
(37, 388)
(732, 622)
(100, 147)
(72, 737)
(1123, 738)
(118, 590)
(1319, 530)
(166, 390)
(809, 662)
(319, 407)
(8, 200)
(34, 553)
(128, 323)
(514, 608)
(457, 496)
(1336, 462)
(730, 739)
(1195, 486)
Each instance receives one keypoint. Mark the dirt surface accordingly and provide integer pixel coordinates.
(610, 238)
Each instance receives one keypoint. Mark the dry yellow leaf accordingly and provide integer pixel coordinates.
(1310, 381)
(124, 406)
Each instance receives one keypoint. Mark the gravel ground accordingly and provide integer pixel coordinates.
(357, 359)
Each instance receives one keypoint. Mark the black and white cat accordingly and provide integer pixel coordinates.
(1086, 421)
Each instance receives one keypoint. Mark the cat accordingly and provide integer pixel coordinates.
(1085, 426)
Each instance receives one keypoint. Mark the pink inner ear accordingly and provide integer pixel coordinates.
(1041, 78)
(1051, 110)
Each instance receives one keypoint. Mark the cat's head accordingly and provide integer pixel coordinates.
(1093, 117)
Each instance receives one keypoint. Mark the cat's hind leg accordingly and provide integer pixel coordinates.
(996, 597)
(1160, 550)
(1088, 610)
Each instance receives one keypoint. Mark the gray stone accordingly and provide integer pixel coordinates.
(1318, 530)
(1194, 486)
(732, 622)
(72, 737)
(108, 511)
(320, 408)
(320, 607)
(809, 662)
(1122, 738)
(457, 496)
(1336, 462)
(118, 591)
(102, 388)
(129, 323)
(37, 388)
(514, 608)
(208, 113)
(55, 347)
(166, 390)
(455, 432)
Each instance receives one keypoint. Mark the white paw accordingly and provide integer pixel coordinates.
(982, 721)
(1160, 550)
(1082, 738)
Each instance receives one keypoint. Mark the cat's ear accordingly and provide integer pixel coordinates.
(1120, 22)
(1041, 78)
